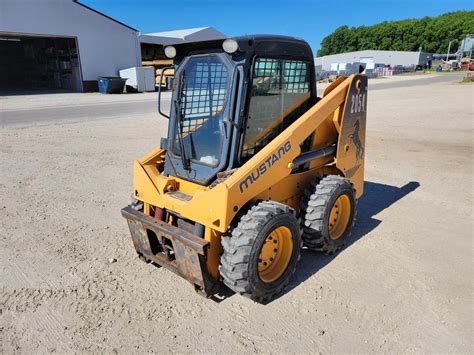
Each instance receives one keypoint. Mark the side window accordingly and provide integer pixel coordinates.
(279, 87)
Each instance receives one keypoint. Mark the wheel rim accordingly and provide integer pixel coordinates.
(339, 217)
(275, 254)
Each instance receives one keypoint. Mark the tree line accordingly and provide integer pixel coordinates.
(432, 34)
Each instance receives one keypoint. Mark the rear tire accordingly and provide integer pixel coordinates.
(328, 214)
(262, 252)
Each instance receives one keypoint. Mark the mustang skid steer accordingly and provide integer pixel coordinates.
(255, 165)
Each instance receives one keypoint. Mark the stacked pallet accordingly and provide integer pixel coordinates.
(158, 65)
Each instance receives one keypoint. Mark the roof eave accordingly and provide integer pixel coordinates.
(104, 15)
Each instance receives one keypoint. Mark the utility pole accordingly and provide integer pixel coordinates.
(449, 48)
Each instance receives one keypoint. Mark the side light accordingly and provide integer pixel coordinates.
(230, 46)
(170, 52)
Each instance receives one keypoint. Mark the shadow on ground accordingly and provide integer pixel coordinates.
(376, 198)
(26, 92)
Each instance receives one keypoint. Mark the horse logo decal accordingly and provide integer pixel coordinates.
(355, 138)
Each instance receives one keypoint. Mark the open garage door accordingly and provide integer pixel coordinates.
(30, 64)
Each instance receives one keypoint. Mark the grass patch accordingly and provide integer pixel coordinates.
(468, 79)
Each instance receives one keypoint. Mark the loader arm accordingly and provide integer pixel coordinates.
(255, 176)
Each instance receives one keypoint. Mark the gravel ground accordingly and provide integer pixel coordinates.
(404, 284)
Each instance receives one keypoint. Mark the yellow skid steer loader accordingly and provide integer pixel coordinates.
(255, 165)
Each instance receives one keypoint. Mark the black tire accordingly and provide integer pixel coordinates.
(240, 259)
(317, 203)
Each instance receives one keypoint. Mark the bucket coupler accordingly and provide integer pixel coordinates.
(171, 247)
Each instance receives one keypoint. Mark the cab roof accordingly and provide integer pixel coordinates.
(274, 44)
(251, 45)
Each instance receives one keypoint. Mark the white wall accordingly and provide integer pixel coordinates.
(105, 46)
(392, 58)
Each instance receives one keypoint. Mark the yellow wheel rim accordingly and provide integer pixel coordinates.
(275, 254)
(339, 217)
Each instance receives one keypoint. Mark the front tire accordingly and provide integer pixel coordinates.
(262, 252)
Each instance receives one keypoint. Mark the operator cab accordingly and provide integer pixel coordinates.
(231, 98)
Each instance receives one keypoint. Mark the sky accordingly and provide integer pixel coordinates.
(310, 20)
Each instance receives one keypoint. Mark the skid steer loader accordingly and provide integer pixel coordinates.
(255, 165)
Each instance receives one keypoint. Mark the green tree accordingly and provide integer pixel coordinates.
(433, 34)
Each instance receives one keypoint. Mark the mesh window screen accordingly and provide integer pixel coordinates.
(204, 92)
(278, 88)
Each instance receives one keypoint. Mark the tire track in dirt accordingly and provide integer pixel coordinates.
(51, 325)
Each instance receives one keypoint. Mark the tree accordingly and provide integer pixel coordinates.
(433, 34)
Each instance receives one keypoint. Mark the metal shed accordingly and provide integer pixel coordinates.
(61, 44)
(153, 44)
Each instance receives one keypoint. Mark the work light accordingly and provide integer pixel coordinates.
(230, 46)
(170, 52)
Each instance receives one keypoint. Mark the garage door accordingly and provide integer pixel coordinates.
(369, 62)
(38, 64)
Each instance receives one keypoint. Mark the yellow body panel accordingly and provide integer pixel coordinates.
(215, 249)
(351, 141)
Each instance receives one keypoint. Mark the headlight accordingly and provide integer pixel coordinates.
(230, 46)
(170, 52)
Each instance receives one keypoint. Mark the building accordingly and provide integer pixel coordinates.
(66, 45)
(373, 58)
(61, 44)
(152, 44)
(182, 36)
(466, 48)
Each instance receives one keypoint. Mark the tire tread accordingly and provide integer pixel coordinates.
(314, 203)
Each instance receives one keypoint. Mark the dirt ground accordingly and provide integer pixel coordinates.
(404, 284)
